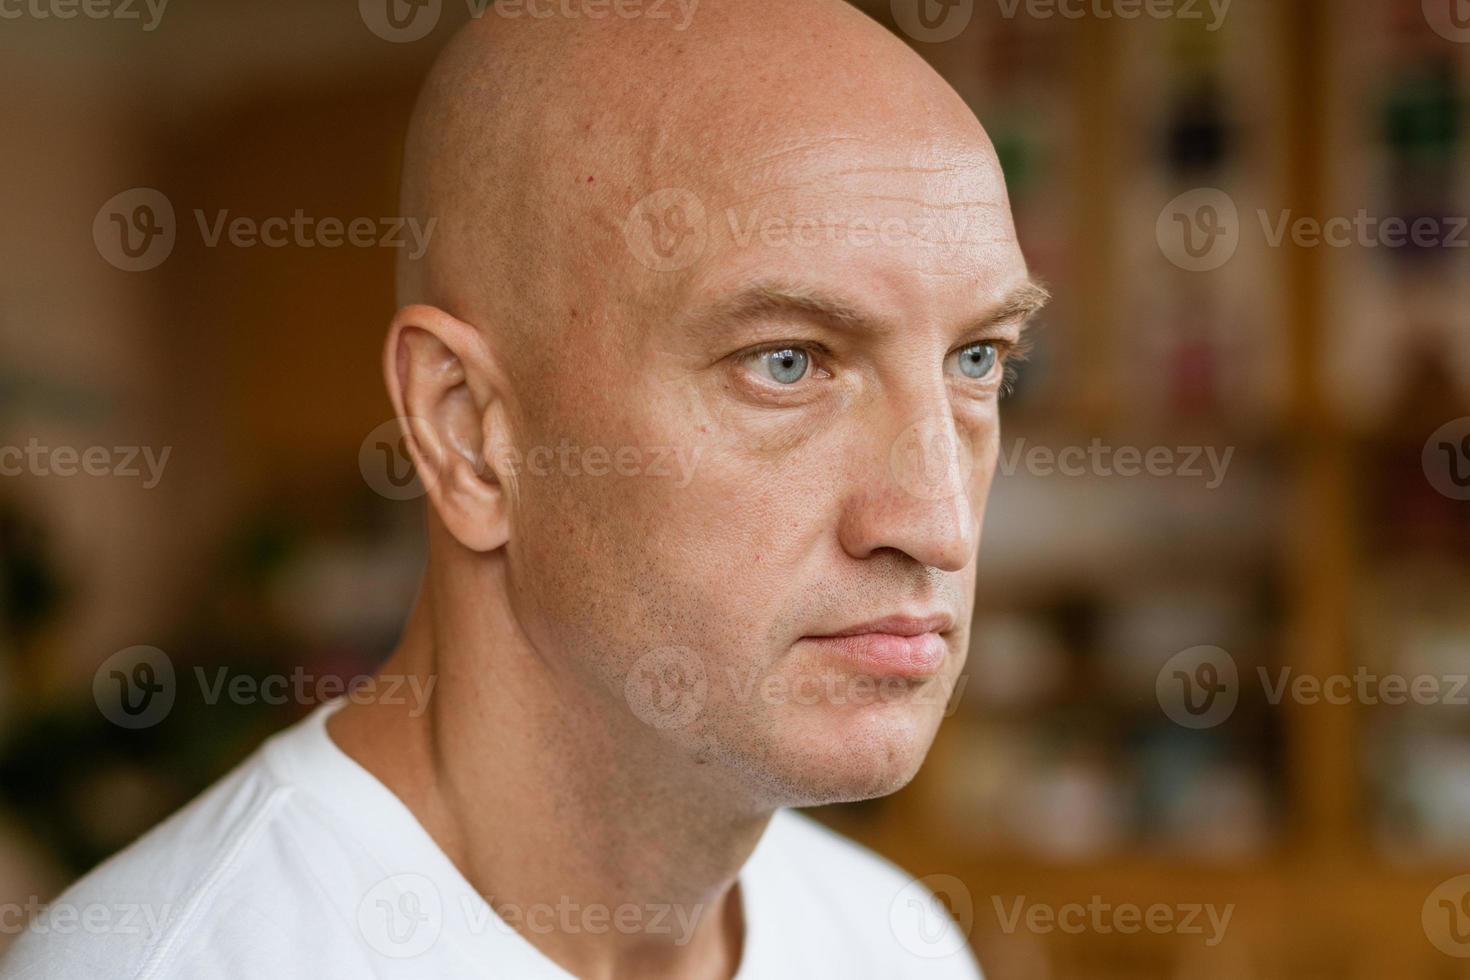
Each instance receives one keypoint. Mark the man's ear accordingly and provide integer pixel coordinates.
(446, 391)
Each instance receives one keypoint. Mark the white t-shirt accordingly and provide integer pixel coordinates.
(300, 864)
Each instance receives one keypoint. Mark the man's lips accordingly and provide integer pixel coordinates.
(893, 646)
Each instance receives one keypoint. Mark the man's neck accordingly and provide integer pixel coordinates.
(609, 851)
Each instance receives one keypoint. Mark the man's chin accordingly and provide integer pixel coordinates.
(862, 756)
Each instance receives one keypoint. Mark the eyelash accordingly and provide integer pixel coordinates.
(1011, 354)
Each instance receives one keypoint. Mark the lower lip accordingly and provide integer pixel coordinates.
(887, 654)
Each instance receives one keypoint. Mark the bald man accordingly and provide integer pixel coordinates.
(701, 372)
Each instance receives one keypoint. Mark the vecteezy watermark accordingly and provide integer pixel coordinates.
(405, 21)
(1446, 917)
(1364, 230)
(388, 467)
(1200, 687)
(1099, 917)
(670, 229)
(404, 915)
(1447, 459)
(1201, 230)
(89, 918)
(933, 21)
(301, 687)
(136, 230)
(669, 687)
(667, 230)
(134, 688)
(401, 916)
(1212, 12)
(676, 463)
(1365, 687)
(385, 462)
(830, 228)
(35, 459)
(1450, 19)
(1097, 459)
(568, 917)
(137, 688)
(931, 917)
(932, 459)
(148, 12)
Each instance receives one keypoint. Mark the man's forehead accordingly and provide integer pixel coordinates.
(886, 212)
(902, 226)
(916, 166)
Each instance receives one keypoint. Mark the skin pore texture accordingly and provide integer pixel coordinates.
(629, 218)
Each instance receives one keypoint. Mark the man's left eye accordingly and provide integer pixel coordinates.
(977, 360)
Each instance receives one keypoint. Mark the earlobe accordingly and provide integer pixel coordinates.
(441, 377)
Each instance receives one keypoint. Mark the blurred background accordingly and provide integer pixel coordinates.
(1219, 657)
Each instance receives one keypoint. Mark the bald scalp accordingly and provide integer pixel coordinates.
(534, 137)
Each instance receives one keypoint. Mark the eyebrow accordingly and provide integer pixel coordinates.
(763, 300)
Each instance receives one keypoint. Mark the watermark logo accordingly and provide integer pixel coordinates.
(137, 10)
(1185, 10)
(405, 21)
(832, 228)
(385, 462)
(1208, 464)
(1447, 459)
(135, 688)
(933, 21)
(668, 230)
(932, 459)
(925, 912)
(400, 21)
(401, 916)
(92, 918)
(35, 459)
(1363, 229)
(1365, 687)
(590, 10)
(1199, 231)
(1198, 687)
(1101, 917)
(1450, 19)
(674, 463)
(300, 687)
(138, 687)
(135, 230)
(1446, 917)
(667, 687)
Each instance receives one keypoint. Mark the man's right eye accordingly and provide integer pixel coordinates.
(783, 365)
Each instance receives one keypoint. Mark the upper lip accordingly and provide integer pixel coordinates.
(900, 625)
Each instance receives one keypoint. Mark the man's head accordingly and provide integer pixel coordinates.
(706, 352)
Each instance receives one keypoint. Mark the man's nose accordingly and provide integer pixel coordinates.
(913, 493)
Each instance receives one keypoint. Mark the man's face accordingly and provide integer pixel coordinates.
(799, 410)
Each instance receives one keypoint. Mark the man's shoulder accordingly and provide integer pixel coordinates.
(867, 903)
(135, 914)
